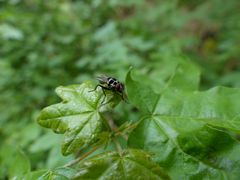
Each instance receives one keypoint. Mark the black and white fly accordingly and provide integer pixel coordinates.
(112, 84)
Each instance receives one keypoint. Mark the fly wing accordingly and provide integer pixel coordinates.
(102, 79)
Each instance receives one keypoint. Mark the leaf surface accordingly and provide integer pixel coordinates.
(20, 164)
(133, 164)
(183, 128)
(78, 116)
(62, 173)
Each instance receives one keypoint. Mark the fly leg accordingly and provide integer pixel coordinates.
(95, 88)
(103, 90)
(123, 96)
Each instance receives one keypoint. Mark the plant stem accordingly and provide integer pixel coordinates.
(113, 127)
(75, 161)
(118, 147)
(129, 128)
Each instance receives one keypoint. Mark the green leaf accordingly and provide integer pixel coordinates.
(78, 116)
(217, 106)
(55, 158)
(34, 175)
(9, 32)
(110, 165)
(140, 95)
(186, 77)
(19, 164)
(140, 89)
(184, 128)
(187, 148)
(62, 173)
(41, 145)
(13, 162)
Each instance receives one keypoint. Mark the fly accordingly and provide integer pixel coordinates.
(112, 84)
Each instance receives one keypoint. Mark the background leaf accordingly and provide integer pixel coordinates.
(109, 165)
(45, 44)
(58, 173)
(14, 161)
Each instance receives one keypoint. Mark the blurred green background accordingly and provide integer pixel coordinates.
(45, 44)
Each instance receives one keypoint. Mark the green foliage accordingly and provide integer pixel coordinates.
(184, 127)
(78, 104)
(112, 166)
(16, 161)
(47, 44)
(187, 132)
(59, 173)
